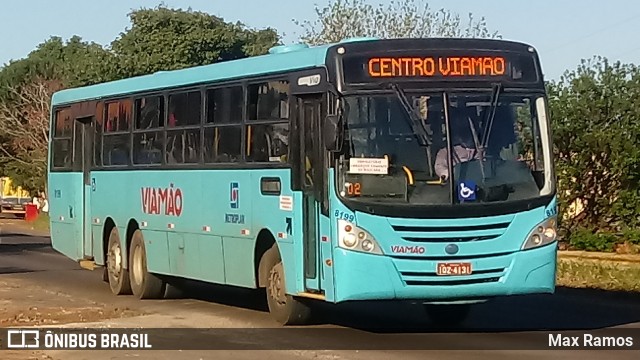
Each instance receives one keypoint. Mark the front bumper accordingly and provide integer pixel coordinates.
(360, 276)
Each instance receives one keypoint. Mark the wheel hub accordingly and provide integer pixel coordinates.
(115, 261)
(137, 265)
(276, 286)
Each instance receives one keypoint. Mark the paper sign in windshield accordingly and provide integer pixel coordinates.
(369, 166)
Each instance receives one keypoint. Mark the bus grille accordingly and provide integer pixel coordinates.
(423, 278)
(449, 234)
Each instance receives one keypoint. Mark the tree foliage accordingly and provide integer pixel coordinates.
(73, 63)
(25, 129)
(595, 115)
(170, 39)
(342, 19)
(158, 39)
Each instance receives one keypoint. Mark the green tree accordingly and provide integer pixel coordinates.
(595, 112)
(26, 87)
(163, 39)
(24, 127)
(159, 39)
(342, 19)
(73, 63)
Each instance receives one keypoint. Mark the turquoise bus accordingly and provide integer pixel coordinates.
(414, 170)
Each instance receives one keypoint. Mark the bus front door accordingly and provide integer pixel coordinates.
(83, 155)
(313, 171)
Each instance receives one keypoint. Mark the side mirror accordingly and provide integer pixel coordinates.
(331, 132)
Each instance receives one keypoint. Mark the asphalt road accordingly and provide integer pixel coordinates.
(499, 321)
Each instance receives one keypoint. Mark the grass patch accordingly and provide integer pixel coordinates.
(41, 223)
(599, 274)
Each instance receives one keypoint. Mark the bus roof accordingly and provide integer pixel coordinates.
(227, 70)
(281, 58)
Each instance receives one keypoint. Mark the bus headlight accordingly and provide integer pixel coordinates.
(351, 237)
(542, 234)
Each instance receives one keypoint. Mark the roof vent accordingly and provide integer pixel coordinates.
(280, 49)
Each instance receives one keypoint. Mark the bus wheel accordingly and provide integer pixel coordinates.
(117, 274)
(448, 316)
(285, 309)
(143, 284)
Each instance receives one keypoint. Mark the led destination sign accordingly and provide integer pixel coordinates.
(439, 66)
(434, 66)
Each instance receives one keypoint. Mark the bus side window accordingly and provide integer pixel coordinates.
(62, 139)
(116, 149)
(183, 146)
(185, 109)
(147, 148)
(268, 101)
(222, 144)
(223, 132)
(268, 142)
(116, 138)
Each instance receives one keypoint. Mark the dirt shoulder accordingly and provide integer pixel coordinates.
(24, 304)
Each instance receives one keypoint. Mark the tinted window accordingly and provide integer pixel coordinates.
(150, 112)
(225, 105)
(118, 116)
(116, 149)
(185, 109)
(64, 123)
(268, 101)
(61, 153)
(147, 147)
(183, 146)
(268, 142)
(223, 144)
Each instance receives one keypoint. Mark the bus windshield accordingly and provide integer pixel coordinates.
(495, 140)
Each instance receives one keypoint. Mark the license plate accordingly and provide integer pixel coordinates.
(453, 269)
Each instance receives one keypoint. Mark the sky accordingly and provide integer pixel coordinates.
(563, 31)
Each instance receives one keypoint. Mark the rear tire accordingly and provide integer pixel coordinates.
(144, 284)
(284, 308)
(117, 274)
(448, 316)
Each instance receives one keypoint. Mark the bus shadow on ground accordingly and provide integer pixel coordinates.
(250, 299)
(568, 309)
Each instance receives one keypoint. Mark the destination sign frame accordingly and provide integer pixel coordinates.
(439, 65)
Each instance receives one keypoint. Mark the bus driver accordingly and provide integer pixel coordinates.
(462, 140)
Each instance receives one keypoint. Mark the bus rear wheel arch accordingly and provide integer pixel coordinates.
(144, 284)
(117, 274)
(284, 308)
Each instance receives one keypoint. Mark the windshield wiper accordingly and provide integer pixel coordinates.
(482, 146)
(495, 94)
(415, 121)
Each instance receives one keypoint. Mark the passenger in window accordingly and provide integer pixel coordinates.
(109, 124)
(172, 116)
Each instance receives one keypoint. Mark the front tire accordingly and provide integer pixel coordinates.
(144, 284)
(284, 308)
(448, 316)
(118, 276)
